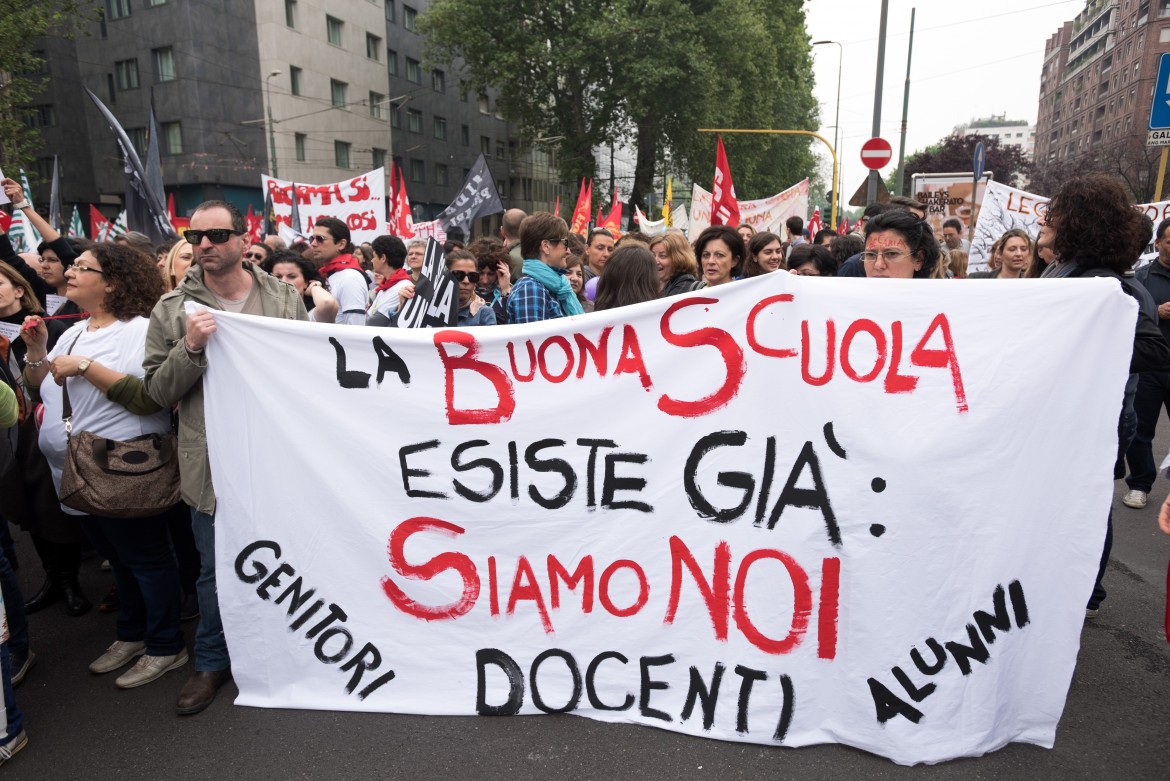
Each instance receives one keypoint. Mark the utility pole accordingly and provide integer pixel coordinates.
(872, 184)
(905, 111)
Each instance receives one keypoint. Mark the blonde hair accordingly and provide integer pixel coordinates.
(958, 263)
(168, 269)
(29, 304)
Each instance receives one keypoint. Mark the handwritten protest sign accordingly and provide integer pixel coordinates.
(436, 296)
(765, 214)
(690, 556)
(1006, 207)
(359, 202)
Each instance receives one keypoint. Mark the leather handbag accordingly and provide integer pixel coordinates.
(133, 478)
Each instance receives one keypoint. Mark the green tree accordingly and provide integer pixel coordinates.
(650, 72)
(21, 70)
(955, 154)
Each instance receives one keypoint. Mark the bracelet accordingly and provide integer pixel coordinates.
(22, 205)
(35, 364)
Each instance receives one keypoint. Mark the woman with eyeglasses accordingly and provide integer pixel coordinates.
(898, 245)
(300, 272)
(99, 362)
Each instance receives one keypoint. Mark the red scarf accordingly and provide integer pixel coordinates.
(399, 275)
(340, 263)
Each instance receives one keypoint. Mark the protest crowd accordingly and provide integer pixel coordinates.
(104, 341)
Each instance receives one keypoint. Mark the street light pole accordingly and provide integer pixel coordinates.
(836, 125)
(872, 182)
(271, 127)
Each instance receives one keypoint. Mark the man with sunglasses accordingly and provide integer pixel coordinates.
(329, 248)
(219, 279)
(543, 292)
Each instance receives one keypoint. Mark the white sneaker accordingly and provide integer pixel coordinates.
(150, 668)
(117, 655)
(1135, 499)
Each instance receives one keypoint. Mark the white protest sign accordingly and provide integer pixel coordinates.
(10, 331)
(359, 202)
(53, 302)
(435, 302)
(3, 196)
(1006, 207)
(764, 214)
(462, 542)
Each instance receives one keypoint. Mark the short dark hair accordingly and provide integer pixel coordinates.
(953, 222)
(729, 236)
(917, 234)
(1160, 231)
(1095, 224)
(817, 254)
(239, 222)
(133, 275)
(461, 254)
(795, 224)
(904, 202)
(308, 268)
(822, 233)
(392, 248)
(337, 229)
(872, 210)
(539, 227)
(844, 247)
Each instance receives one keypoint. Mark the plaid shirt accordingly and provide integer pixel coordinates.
(530, 302)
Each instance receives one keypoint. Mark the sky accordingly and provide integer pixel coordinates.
(970, 60)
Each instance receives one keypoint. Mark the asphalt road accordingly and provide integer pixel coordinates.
(1116, 723)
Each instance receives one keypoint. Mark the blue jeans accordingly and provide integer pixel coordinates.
(13, 598)
(147, 575)
(14, 716)
(211, 652)
(1153, 394)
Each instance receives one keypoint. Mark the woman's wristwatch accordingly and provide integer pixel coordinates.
(22, 205)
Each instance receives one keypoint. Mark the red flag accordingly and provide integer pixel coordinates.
(255, 225)
(580, 224)
(401, 223)
(5, 221)
(724, 206)
(598, 221)
(171, 207)
(614, 221)
(843, 228)
(99, 226)
(814, 224)
(557, 208)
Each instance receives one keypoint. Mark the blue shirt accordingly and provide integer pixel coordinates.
(485, 316)
(530, 302)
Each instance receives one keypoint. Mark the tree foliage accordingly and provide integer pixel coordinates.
(646, 72)
(21, 69)
(955, 154)
(1130, 160)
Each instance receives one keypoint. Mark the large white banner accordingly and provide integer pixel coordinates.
(1006, 207)
(765, 214)
(359, 202)
(746, 513)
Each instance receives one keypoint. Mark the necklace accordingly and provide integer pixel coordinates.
(96, 326)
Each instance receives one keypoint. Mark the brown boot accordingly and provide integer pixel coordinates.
(199, 691)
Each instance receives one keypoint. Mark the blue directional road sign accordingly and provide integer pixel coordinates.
(1160, 107)
(979, 160)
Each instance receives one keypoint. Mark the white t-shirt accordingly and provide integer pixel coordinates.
(350, 287)
(120, 346)
(386, 302)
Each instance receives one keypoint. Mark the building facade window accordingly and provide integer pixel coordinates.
(126, 74)
(409, 18)
(379, 157)
(440, 128)
(392, 62)
(337, 92)
(376, 100)
(341, 153)
(389, 10)
(155, 3)
(465, 135)
(299, 143)
(117, 9)
(333, 30)
(294, 79)
(438, 81)
(395, 116)
(164, 64)
(373, 46)
(172, 138)
(417, 171)
(485, 145)
(440, 174)
(484, 106)
(137, 138)
(414, 120)
(290, 13)
(40, 116)
(413, 71)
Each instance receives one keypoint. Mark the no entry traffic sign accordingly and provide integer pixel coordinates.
(876, 153)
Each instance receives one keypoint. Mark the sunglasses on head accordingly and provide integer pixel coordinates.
(215, 235)
(460, 276)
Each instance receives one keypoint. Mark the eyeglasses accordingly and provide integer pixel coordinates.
(255, 256)
(315, 239)
(564, 241)
(889, 257)
(79, 267)
(215, 235)
(460, 276)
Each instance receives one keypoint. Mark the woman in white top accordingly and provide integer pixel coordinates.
(100, 359)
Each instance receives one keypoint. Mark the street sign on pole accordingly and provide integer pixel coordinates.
(1160, 105)
(876, 153)
(977, 163)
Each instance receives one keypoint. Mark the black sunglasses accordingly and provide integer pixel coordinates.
(460, 276)
(215, 235)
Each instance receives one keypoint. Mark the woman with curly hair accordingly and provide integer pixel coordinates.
(765, 254)
(899, 245)
(99, 362)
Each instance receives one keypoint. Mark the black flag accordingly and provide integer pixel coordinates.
(478, 197)
(436, 296)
